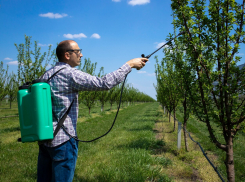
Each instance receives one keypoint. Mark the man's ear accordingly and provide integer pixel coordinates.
(67, 55)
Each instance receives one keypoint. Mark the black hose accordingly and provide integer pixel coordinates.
(76, 138)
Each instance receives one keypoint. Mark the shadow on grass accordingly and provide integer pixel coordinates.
(155, 146)
(105, 178)
(144, 120)
(143, 128)
(12, 129)
(31, 176)
(97, 178)
(146, 114)
(107, 109)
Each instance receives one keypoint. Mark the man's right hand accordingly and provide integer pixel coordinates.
(137, 63)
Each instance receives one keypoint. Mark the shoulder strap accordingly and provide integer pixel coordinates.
(61, 121)
(55, 73)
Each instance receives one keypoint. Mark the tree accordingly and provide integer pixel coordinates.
(168, 80)
(3, 78)
(132, 92)
(179, 75)
(12, 88)
(88, 98)
(117, 93)
(112, 96)
(125, 94)
(214, 32)
(103, 96)
(30, 62)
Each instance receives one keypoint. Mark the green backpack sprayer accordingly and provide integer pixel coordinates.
(35, 112)
(35, 109)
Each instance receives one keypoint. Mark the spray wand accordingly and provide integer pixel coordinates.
(143, 56)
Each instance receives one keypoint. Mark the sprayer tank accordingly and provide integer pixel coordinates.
(35, 112)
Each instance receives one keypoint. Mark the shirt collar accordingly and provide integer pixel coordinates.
(62, 63)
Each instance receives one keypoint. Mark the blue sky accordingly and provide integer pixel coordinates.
(110, 32)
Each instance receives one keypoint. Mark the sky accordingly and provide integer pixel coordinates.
(109, 32)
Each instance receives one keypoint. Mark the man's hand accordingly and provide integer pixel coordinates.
(137, 63)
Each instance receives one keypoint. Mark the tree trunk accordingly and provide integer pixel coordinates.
(111, 106)
(174, 119)
(10, 104)
(185, 122)
(185, 137)
(230, 170)
(89, 110)
(169, 116)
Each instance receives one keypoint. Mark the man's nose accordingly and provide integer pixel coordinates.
(81, 55)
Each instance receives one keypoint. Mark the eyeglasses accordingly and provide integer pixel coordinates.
(77, 51)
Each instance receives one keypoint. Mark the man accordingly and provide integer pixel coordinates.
(57, 158)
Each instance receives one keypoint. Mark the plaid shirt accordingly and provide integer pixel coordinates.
(65, 87)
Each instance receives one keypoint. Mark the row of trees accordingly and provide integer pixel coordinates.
(200, 69)
(32, 64)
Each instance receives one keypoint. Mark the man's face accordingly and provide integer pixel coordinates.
(74, 55)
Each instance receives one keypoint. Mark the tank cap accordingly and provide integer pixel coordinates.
(22, 87)
(25, 86)
(39, 81)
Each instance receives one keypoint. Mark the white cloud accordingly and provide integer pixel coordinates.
(141, 72)
(116, 0)
(159, 44)
(13, 63)
(151, 74)
(240, 54)
(148, 74)
(96, 36)
(43, 45)
(9, 59)
(138, 2)
(53, 15)
(75, 36)
(48, 66)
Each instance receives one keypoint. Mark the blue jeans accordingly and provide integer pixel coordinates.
(57, 163)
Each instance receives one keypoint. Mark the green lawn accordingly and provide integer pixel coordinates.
(130, 152)
(125, 154)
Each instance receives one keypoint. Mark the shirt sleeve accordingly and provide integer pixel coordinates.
(81, 81)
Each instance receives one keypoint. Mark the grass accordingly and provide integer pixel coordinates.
(199, 129)
(125, 154)
(140, 147)
(186, 166)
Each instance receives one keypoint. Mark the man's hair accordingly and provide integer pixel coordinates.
(61, 49)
